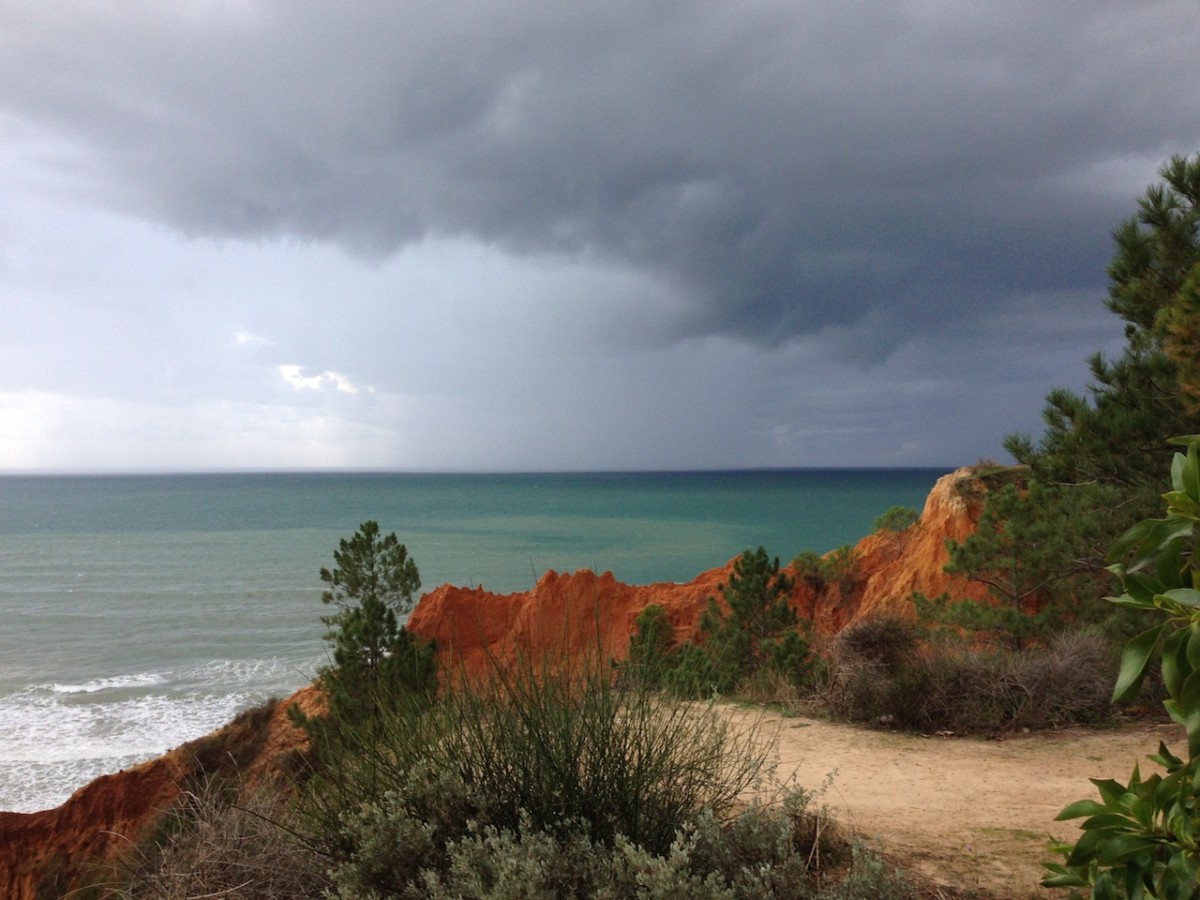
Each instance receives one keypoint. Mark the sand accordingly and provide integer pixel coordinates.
(975, 815)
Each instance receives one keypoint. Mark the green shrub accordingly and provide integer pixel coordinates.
(896, 518)
(870, 878)
(809, 567)
(1142, 838)
(780, 851)
(699, 672)
(837, 567)
(650, 646)
(558, 742)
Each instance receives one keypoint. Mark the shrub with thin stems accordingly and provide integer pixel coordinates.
(882, 676)
(217, 844)
(560, 741)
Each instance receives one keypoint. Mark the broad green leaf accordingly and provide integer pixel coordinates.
(1189, 705)
(1063, 877)
(1174, 887)
(1104, 889)
(1134, 660)
(1169, 566)
(1134, 887)
(1193, 646)
(1107, 820)
(1133, 601)
(1165, 757)
(1174, 661)
(1121, 847)
(1173, 710)
(1142, 585)
(1191, 473)
(1085, 848)
(1181, 505)
(1134, 537)
(1082, 808)
(1189, 597)
(1111, 792)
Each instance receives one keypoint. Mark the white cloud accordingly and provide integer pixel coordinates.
(293, 376)
(243, 338)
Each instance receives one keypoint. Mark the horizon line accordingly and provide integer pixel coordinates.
(370, 470)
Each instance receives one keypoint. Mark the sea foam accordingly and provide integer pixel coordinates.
(58, 737)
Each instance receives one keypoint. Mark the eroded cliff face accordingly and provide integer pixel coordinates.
(46, 854)
(571, 614)
(890, 566)
(84, 841)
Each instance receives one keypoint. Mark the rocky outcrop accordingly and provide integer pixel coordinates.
(85, 841)
(47, 854)
(889, 566)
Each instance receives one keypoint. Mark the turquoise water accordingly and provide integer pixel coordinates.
(143, 611)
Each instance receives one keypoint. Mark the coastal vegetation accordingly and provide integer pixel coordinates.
(373, 657)
(1032, 655)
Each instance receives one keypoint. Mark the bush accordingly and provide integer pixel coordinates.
(778, 851)
(896, 518)
(887, 641)
(214, 845)
(881, 677)
(1140, 838)
(650, 646)
(559, 743)
(838, 567)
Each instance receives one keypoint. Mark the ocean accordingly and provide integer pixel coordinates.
(142, 611)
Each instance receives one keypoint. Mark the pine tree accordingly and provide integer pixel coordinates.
(375, 659)
(1096, 468)
(760, 626)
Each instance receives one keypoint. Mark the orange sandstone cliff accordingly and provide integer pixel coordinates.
(50, 853)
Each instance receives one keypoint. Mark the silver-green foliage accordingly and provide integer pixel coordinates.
(1142, 838)
(559, 743)
(764, 852)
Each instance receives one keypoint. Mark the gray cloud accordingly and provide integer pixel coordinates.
(787, 167)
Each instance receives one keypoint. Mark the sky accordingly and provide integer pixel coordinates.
(531, 235)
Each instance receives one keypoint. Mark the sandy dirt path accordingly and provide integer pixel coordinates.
(971, 814)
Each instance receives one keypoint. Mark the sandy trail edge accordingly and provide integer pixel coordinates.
(967, 813)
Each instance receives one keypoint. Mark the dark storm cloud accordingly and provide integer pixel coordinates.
(787, 167)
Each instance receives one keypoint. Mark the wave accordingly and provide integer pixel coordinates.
(59, 736)
(142, 679)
